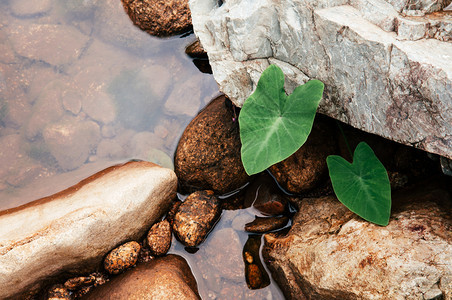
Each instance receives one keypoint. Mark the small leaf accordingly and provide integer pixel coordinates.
(363, 186)
(273, 125)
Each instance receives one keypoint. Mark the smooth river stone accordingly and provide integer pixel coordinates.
(73, 230)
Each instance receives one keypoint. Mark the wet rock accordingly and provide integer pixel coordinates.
(195, 217)
(196, 50)
(73, 230)
(330, 253)
(160, 18)
(122, 258)
(264, 195)
(59, 292)
(262, 225)
(159, 238)
(163, 278)
(26, 9)
(208, 153)
(203, 65)
(172, 211)
(307, 168)
(71, 141)
(34, 41)
(255, 274)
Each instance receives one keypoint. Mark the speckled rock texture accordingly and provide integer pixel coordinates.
(159, 238)
(163, 278)
(385, 63)
(208, 153)
(306, 168)
(122, 257)
(330, 253)
(160, 17)
(195, 217)
(73, 230)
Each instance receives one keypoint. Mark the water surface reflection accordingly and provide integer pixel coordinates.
(81, 89)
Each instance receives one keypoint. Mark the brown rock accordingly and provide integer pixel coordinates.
(159, 238)
(195, 217)
(77, 282)
(307, 168)
(160, 17)
(264, 195)
(58, 292)
(121, 258)
(196, 50)
(172, 211)
(208, 153)
(255, 274)
(262, 225)
(163, 278)
(330, 253)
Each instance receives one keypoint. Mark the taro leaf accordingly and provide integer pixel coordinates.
(363, 186)
(273, 125)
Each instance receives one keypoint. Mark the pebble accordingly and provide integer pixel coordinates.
(58, 292)
(159, 238)
(195, 217)
(122, 257)
(262, 225)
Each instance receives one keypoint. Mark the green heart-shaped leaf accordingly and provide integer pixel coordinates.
(363, 186)
(273, 125)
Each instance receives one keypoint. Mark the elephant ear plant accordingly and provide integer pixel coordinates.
(274, 125)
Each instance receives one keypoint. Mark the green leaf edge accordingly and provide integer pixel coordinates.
(251, 99)
(328, 161)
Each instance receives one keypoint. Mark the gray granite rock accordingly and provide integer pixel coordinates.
(381, 73)
(73, 230)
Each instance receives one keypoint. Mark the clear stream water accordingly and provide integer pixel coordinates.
(82, 89)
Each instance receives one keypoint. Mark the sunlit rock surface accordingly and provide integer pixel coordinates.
(330, 253)
(73, 230)
(387, 65)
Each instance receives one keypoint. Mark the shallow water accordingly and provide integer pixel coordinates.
(81, 89)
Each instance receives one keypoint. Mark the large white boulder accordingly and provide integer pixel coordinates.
(387, 65)
(73, 230)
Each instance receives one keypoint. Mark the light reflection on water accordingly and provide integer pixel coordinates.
(81, 89)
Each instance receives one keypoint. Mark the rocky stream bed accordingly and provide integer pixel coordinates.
(205, 230)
